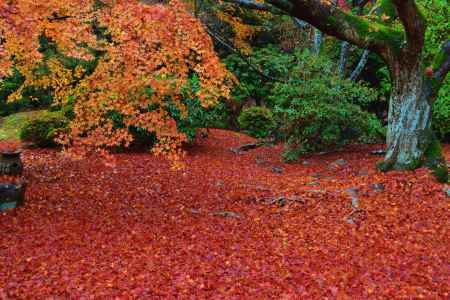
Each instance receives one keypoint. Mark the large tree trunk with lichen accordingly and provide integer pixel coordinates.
(409, 136)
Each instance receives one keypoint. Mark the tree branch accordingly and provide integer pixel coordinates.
(242, 56)
(331, 20)
(413, 22)
(257, 6)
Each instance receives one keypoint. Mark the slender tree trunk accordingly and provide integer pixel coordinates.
(317, 41)
(409, 136)
(343, 58)
(361, 64)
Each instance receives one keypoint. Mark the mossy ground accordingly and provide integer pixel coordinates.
(10, 126)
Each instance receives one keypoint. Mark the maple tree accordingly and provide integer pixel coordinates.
(396, 33)
(148, 54)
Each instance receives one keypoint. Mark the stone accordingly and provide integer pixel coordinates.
(378, 187)
(337, 164)
(447, 191)
(277, 170)
(220, 183)
(226, 214)
(353, 194)
(362, 173)
(378, 152)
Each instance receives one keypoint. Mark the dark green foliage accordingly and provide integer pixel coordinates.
(31, 98)
(319, 111)
(256, 80)
(314, 110)
(441, 115)
(43, 130)
(197, 116)
(437, 13)
(441, 173)
(257, 121)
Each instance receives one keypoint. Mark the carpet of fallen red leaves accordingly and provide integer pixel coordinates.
(228, 226)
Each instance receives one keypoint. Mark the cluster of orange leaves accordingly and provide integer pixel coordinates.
(151, 47)
(243, 33)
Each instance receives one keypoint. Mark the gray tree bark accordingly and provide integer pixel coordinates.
(343, 58)
(361, 64)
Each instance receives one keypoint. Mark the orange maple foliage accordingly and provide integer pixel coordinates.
(243, 33)
(149, 53)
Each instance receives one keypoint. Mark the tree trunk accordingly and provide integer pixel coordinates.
(410, 139)
(317, 41)
(343, 58)
(361, 64)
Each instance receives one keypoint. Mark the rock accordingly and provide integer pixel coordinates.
(362, 173)
(378, 187)
(314, 183)
(277, 170)
(340, 162)
(350, 221)
(226, 214)
(195, 211)
(378, 152)
(356, 217)
(246, 147)
(337, 164)
(261, 161)
(447, 191)
(220, 183)
(282, 200)
(353, 194)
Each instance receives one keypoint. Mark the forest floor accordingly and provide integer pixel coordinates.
(228, 226)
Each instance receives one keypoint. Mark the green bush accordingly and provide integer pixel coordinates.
(320, 112)
(441, 115)
(197, 116)
(438, 22)
(271, 63)
(43, 130)
(257, 121)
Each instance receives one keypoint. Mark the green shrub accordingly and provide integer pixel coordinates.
(197, 116)
(438, 22)
(272, 63)
(320, 112)
(43, 130)
(441, 114)
(257, 121)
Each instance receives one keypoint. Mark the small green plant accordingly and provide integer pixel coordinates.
(43, 130)
(257, 121)
(441, 173)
